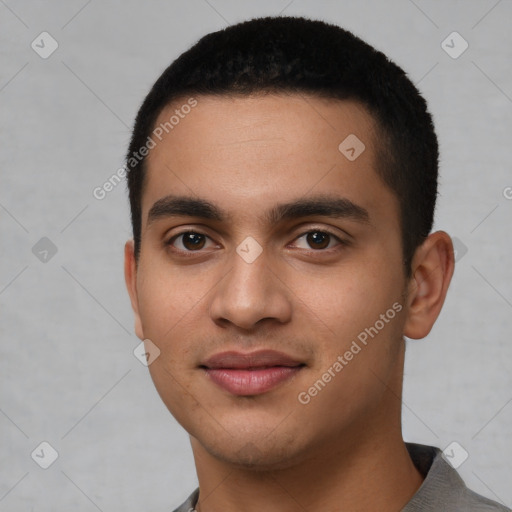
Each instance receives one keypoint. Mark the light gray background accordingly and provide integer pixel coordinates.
(68, 373)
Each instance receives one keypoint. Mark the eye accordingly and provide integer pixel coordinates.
(317, 240)
(189, 241)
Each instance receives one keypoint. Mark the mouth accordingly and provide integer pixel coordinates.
(251, 374)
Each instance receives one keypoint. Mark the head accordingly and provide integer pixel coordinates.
(282, 181)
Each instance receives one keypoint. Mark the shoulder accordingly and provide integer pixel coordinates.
(443, 489)
(476, 503)
(189, 504)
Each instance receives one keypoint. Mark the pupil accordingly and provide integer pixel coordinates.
(318, 240)
(193, 241)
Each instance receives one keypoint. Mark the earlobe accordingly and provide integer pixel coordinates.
(432, 270)
(130, 276)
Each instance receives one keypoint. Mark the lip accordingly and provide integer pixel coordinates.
(250, 374)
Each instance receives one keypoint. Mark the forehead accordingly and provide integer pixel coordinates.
(307, 123)
(252, 152)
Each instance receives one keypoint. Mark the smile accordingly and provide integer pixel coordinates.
(251, 374)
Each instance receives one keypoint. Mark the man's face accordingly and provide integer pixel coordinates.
(329, 270)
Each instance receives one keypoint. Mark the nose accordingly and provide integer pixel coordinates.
(250, 294)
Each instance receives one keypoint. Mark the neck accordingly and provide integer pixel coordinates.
(380, 477)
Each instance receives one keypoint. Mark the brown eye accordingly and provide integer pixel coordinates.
(189, 241)
(193, 241)
(318, 239)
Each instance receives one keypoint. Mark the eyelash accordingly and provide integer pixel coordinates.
(189, 253)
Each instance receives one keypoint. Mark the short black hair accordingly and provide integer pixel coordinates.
(286, 54)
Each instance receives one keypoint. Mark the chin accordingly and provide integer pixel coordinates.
(254, 452)
(251, 458)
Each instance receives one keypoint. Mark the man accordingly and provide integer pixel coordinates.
(282, 181)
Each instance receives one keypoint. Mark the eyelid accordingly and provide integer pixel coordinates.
(340, 242)
(337, 233)
(183, 229)
(170, 241)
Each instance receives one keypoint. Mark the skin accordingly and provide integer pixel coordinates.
(344, 449)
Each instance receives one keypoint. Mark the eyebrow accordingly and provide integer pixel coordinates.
(325, 206)
(172, 206)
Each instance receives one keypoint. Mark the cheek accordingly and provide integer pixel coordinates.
(173, 312)
(346, 299)
(166, 297)
(358, 322)
(167, 316)
(176, 391)
(343, 314)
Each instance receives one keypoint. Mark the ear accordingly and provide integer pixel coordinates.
(432, 269)
(130, 276)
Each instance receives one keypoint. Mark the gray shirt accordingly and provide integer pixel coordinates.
(443, 490)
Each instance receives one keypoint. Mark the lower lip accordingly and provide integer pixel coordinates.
(251, 382)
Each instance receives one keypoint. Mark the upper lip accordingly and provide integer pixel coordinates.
(258, 359)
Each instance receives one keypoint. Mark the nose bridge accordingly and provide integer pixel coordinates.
(250, 291)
